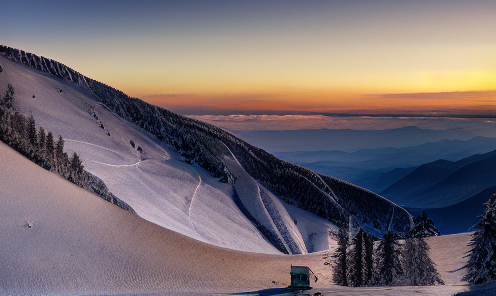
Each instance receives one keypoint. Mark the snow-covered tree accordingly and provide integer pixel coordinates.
(482, 263)
(8, 98)
(32, 131)
(61, 158)
(76, 170)
(419, 270)
(360, 260)
(355, 261)
(41, 140)
(424, 227)
(368, 259)
(340, 268)
(50, 150)
(387, 261)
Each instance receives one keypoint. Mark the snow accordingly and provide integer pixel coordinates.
(265, 207)
(79, 244)
(59, 239)
(314, 229)
(157, 184)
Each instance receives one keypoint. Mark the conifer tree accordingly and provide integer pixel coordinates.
(59, 156)
(387, 261)
(31, 129)
(76, 170)
(360, 260)
(419, 270)
(355, 261)
(41, 140)
(8, 99)
(368, 259)
(340, 268)
(50, 150)
(482, 257)
(424, 227)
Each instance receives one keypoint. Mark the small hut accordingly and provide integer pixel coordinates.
(300, 277)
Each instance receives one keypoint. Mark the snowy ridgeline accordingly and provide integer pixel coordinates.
(159, 181)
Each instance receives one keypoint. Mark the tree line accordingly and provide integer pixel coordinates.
(360, 261)
(41, 147)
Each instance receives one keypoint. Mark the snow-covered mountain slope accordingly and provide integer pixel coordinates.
(58, 239)
(156, 183)
(186, 175)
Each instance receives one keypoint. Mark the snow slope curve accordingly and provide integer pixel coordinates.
(58, 239)
(156, 182)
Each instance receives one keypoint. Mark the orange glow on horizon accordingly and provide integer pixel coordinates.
(470, 101)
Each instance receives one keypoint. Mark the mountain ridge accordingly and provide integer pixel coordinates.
(206, 145)
(445, 178)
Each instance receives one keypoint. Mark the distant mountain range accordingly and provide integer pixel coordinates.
(377, 169)
(443, 183)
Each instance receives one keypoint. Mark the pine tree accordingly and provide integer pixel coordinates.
(368, 259)
(360, 260)
(340, 268)
(424, 227)
(76, 170)
(59, 157)
(355, 261)
(31, 129)
(418, 266)
(482, 257)
(8, 99)
(50, 151)
(41, 140)
(387, 261)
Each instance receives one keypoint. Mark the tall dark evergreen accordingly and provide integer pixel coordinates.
(368, 259)
(360, 260)
(424, 227)
(8, 98)
(419, 270)
(76, 170)
(340, 268)
(60, 157)
(32, 133)
(481, 265)
(41, 140)
(355, 261)
(387, 261)
(50, 150)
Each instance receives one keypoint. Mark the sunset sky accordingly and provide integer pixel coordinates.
(322, 56)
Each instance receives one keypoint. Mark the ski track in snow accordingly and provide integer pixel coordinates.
(116, 165)
(91, 144)
(193, 197)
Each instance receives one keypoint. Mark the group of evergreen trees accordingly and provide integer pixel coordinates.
(20, 133)
(359, 263)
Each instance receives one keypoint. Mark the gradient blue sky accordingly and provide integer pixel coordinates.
(275, 55)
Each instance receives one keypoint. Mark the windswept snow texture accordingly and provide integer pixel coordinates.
(156, 183)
